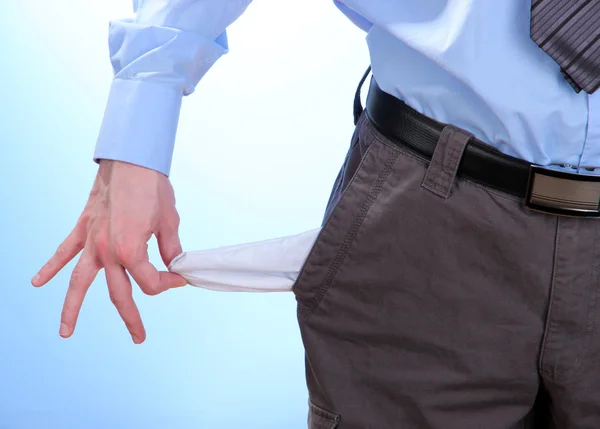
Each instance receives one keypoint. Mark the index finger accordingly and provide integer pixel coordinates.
(152, 281)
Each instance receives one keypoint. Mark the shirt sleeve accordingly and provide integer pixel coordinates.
(358, 20)
(158, 57)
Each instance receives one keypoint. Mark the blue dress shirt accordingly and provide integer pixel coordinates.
(466, 62)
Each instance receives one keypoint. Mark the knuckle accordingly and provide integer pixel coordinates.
(149, 290)
(176, 220)
(101, 243)
(150, 285)
(124, 253)
(75, 277)
(84, 220)
(62, 252)
(126, 248)
(145, 281)
(171, 220)
(66, 313)
(116, 299)
(48, 266)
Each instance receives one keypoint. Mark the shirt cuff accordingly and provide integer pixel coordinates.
(140, 124)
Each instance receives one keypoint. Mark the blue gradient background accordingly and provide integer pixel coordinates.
(258, 148)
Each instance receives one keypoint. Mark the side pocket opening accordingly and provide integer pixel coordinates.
(338, 232)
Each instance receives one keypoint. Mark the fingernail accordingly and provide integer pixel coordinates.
(136, 339)
(35, 280)
(64, 330)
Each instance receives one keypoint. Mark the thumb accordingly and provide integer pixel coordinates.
(169, 245)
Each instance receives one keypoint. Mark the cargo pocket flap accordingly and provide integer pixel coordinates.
(318, 418)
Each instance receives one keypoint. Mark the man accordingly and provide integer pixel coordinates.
(455, 281)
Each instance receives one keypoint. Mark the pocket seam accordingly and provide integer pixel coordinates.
(305, 310)
(328, 221)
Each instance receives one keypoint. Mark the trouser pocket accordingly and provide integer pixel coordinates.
(366, 170)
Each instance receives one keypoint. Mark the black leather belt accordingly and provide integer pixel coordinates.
(542, 189)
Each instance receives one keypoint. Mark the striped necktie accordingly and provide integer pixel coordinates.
(569, 31)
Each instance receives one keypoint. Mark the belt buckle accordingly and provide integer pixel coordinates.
(561, 193)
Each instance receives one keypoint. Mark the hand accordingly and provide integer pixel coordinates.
(126, 206)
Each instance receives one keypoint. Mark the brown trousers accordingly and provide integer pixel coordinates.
(431, 302)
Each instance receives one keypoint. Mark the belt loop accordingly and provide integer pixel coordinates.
(358, 109)
(445, 161)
